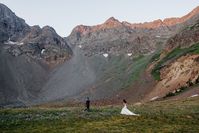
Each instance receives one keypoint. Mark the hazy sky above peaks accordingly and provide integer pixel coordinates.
(64, 15)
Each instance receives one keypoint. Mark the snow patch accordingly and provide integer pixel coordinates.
(195, 95)
(21, 43)
(105, 55)
(13, 43)
(42, 51)
(178, 90)
(154, 98)
(157, 36)
(129, 54)
(10, 42)
(80, 46)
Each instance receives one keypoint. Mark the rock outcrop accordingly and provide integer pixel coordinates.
(168, 22)
(14, 27)
(178, 62)
(112, 37)
(45, 43)
(186, 38)
(107, 62)
(183, 72)
(31, 40)
(27, 56)
(115, 37)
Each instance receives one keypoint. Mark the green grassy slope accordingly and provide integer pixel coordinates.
(174, 54)
(165, 116)
(116, 73)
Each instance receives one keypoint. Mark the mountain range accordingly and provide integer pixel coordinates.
(107, 62)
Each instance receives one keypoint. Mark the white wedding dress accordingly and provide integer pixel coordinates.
(125, 111)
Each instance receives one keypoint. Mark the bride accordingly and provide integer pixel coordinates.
(125, 110)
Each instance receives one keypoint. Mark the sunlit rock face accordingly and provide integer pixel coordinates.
(115, 37)
(180, 73)
(38, 66)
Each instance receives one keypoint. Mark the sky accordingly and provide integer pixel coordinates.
(64, 15)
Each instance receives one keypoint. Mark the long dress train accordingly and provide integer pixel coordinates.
(125, 111)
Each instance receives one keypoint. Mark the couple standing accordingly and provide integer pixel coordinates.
(124, 111)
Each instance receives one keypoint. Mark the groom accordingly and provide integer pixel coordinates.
(87, 104)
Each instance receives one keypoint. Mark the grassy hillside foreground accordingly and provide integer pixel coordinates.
(165, 116)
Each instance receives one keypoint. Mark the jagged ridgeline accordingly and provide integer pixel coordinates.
(106, 62)
(27, 55)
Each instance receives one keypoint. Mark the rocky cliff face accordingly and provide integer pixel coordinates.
(45, 43)
(21, 78)
(186, 38)
(178, 63)
(181, 73)
(12, 26)
(108, 60)
(33, 41)
(115, 37)
(27, 55)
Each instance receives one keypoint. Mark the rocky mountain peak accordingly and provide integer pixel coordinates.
(111, 23)
(112, 20)
(48, 28)
(31, 40)
(11, 26)
(5, 11)
(49, 31)
(81, 29)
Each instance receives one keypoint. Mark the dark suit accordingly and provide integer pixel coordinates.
(87, 104)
